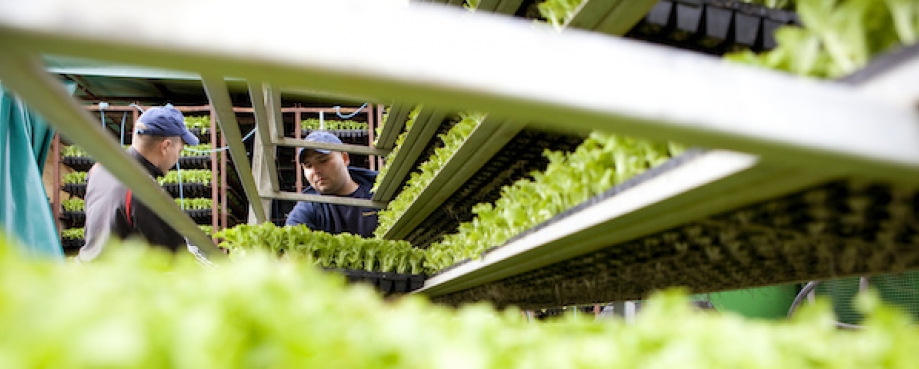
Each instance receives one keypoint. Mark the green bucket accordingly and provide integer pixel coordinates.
(771, 302)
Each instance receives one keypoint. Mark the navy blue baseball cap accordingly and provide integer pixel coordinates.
(319, 136)
(166, 121)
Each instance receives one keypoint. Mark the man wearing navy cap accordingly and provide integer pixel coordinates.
(111, 210)
(328, 174)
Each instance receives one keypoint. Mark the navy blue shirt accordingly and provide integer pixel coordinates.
(337, 219)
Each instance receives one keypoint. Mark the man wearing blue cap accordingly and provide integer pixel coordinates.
(328, 174)
(111, 210)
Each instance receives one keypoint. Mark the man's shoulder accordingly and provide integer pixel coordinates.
(362, 172)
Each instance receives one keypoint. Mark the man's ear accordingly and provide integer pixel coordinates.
(164, 146)
(345, 158)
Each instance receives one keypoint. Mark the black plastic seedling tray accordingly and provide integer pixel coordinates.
(386, 283)
(78, 163)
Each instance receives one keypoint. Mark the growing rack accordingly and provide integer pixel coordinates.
(801, 136)
(214, 217)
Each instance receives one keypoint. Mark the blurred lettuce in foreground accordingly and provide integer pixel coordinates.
(141, 308)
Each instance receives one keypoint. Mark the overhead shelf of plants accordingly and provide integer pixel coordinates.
(711, 26)
(479, 159)
(709, 220)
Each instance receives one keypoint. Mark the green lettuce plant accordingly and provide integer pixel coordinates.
(199, 176)
(599, 163)
(72, 234)
(341, 251)
(838, 36)
(418, 181)
(75, 204)
(141, 308)
(74, 178)
(399, 141)
(315, 123)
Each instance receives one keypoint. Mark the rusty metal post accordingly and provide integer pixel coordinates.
(215, 195)
(297, 132)
(56, 182)
(223, 176)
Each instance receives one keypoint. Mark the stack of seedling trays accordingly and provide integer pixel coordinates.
(72, 240)
(74, 183)
(194, 182)
(78, 163)
(189, 162)
(713, 26)
(844, 227)
(340, 133)
(385, 283)
(341, 128)
(195, 162)
(204, 136)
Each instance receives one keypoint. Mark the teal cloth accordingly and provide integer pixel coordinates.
(25, 212)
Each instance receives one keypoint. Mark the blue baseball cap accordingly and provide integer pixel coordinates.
(318, 136)
(166, 121)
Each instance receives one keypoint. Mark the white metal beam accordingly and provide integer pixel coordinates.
(275, 116)
(423, 130)
(613, 17)
(500, 6)
(354, 149)
(481, 145)
(217, 93)
(392, 127)
(328, 199)
(888, 77)
(587, 81)
(26, 76)
(263, 125)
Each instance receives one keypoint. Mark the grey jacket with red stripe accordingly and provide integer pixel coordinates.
(106, 205)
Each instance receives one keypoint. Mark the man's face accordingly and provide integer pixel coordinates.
(327, 173)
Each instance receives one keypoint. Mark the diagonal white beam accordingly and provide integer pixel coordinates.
(614, 17)
(219, 96)
(892, 77)
(263, 125)
(392, 127)
(584, 81)
(275, 117)
(354, 149)
(328, 199)
(26, 76)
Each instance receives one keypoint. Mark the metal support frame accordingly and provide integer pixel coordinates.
(275, 112)
(597, 83)
(613, 17)
(357, 149)
(263, 125)
(339, 200)
(56, 182)
(500, 6)
(216, 89)
(392, 127)
(264, 167)
(486, 140)
(26, 76)
(887, 77)
(423, 130)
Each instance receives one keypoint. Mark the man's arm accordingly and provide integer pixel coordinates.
(303, 213)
